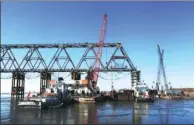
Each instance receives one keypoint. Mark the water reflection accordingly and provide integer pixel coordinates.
(140, 111)
(163, 112)
(82, 113)
(75, 114)
(123, 112)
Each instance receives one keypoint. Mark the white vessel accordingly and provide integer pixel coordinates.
(142, 93)
(29, 104)
(41, 103)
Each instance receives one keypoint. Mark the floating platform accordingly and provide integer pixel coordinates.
(125, 98)
(104, 99)
(145, 100)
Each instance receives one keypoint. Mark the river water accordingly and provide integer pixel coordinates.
(159, 112)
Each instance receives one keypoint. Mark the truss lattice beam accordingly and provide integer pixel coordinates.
(34, 61)
(65, 70)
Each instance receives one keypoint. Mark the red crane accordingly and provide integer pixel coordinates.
(100, 44)
(99, 53)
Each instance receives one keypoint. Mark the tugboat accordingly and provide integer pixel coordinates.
(142, 93)
(81, 93)
(41, 102)
(53, 97)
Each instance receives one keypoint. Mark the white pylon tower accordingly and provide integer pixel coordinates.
(161, 69)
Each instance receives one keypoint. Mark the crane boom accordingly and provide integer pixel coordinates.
(99, 54)
(161, 68)
(95, 69)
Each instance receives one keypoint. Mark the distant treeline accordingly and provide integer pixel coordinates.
(185, 89)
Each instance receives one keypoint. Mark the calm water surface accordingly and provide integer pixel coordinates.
(162, 112)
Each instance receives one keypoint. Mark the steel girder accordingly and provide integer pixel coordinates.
(7, 55)
(65, 45)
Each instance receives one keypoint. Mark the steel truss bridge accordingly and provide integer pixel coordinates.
(10, 63)
(27, 65)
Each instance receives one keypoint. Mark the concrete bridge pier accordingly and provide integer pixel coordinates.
(18, 82)
(44, 81)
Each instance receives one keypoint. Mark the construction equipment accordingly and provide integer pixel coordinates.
(161, 69)
(95, 69)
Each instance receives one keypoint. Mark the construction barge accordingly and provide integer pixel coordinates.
(61, 94)
(141, 94)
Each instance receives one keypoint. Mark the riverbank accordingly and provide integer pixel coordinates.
(178, 97)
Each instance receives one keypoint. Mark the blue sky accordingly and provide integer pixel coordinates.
(139, 26)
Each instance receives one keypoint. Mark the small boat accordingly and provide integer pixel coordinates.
(41, 103)
(142, 93)
(144, 98)
(51, 98)
(84, 99)
(29, 104)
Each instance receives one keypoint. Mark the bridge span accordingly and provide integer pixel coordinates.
(10, 63)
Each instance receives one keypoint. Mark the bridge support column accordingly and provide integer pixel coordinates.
(44, 81)
(18, 82)
(135, 78)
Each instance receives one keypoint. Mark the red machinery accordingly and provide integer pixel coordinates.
(96, 67)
